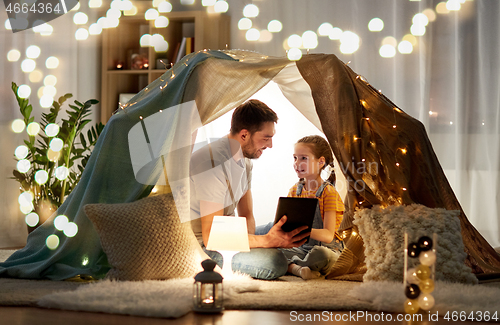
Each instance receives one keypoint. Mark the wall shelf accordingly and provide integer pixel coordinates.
(210, 31)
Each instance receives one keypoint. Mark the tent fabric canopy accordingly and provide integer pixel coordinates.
(356, 119)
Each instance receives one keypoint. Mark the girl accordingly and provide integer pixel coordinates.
(312, 154)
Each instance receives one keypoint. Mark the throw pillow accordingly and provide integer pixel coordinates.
(145, 240)
(382, 230)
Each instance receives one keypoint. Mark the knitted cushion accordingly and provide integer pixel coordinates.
(382, 230)
(145, 240)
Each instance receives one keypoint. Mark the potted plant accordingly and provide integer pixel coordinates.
(51, 160)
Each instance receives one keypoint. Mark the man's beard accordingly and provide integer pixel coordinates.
(249, 150)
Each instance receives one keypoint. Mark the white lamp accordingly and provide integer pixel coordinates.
(228, 236)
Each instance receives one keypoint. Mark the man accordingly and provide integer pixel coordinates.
(220, 183)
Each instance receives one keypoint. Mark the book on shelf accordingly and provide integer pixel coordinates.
(182, 50)
(189, 45)
(185, 47)
(174, 55)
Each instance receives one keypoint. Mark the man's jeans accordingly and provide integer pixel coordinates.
(259, 263)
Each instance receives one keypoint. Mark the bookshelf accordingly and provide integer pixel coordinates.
(210, 31)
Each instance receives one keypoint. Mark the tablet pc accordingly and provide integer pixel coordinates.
(299, 211)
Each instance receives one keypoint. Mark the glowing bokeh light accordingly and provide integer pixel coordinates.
(252, 34)
(187, 2)
(165, 6)
(145, 40)
(80, 18)
(265, 36)
(95, 3)
(40, 91)
(405, 47)
(33, 128)
(52, 242)
(453, 5)
(46, 29)
(52, 62)
(161, 22)
(32, 219)
(50, 80)
(71, 229)
(221, 6)
(275, 26)
(325, 29)
(376, 25)
(28, 65)
(420, 19)
(49, 91)
(161, 47)
(387, 51)
(295, 40)
(46, 101)
(156, 40)
(26, 208)
(390, 40)
(151, 14)
(132, 12)
(7, 24)
(417, 30)
(81, 34)
(60, 222)
(336, 33)
(294, 54)
(431, 14)
(114, 13)
(410, 38)
(13, 55)
(36, 76)
(25, 198)
(95, 29)
(56, 144)
(115, 4)
(309, 39)
(24, 91)
(250, 11)
(349, 42)
(244, 24)
(61, 173)
(207, 3)
(17, 125)
(441, 8)
(125, 5)
(52, 129)
(33, 52)
(23, 166)
(21, 152)
(41, 177)
(53, 155)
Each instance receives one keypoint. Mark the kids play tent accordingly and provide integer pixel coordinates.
(158, 122)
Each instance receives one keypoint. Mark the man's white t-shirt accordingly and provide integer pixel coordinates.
(209, 179)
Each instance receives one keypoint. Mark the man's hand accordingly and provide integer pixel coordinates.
(277, 237)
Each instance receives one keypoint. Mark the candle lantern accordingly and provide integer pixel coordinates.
(207, 295)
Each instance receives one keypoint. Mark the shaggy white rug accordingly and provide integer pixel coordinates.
(171, 298)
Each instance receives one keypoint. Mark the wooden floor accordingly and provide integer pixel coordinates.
(40, 316)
